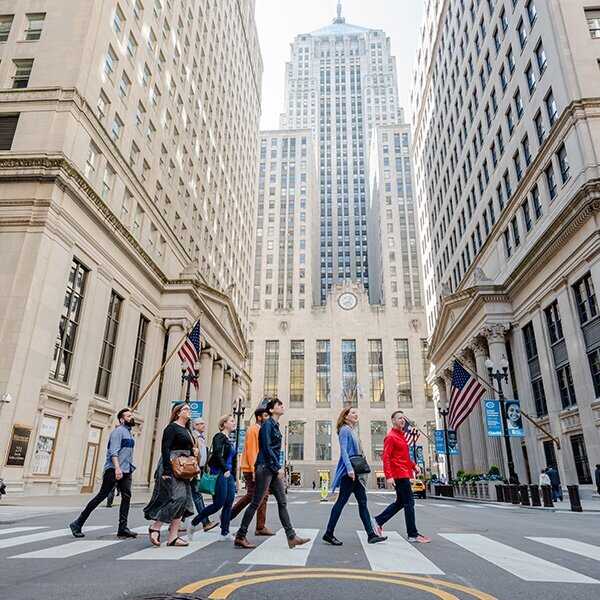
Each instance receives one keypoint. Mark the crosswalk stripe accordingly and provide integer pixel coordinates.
(44, 535)
(275, 551)
(474, 506)
(442, 505)
(397, 556)
(568, 545)
(19, 530)
(299, 502)
(524, 566)
(68, 550)
(165, 552)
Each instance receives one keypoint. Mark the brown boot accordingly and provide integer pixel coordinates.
(243, 543)
(264, 532)
(297, 541)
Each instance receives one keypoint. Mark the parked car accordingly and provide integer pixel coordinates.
(418, 488)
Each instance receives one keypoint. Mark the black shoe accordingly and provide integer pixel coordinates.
(375, 539)
(76, 529)
(331, 539)
(109, 505)
(126, 533)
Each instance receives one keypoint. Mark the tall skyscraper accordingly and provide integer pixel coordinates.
(336, 314)
(128, 171)
(341, 83)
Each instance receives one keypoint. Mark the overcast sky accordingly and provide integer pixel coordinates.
(279, 21)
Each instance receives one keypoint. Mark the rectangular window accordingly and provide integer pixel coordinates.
(376, 373)
(35, 24)
(271, 368)
(526, 150)
(554, 323)
(403, 379)
(45, 445)
(540, 57)
(297, 373)
(563, 163)
(540, 130)
(427, 365)
(296, 440)
(585, 298)
(323, 440)
(535, 374)
(110, 62)
(138, 361)
(550, 181)
(526, 215)
(378, 432)
(8, 127)
(514, 225)
(537, 204)
(565, 386)
(323, 373)
(108, 345)
(69, 323)
(551, 108)
(593, 21)
(531, 12)
(594, 360)
(22, 73)
(580, 458)
(349, 381)
(507, 243)
(5, 26)
(530, 78)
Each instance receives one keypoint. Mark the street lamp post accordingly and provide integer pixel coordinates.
(188, 377)
(497, 375)
(238, 412)
(444, 413)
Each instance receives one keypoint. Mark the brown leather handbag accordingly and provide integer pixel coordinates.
(186, 467)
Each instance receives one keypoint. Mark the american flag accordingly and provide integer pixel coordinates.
(190, 351)
(466, 393)
(412, 435)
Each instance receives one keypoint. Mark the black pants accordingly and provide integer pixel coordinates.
(108, 483)
(266, 480)
(349, 486)
(404, 500)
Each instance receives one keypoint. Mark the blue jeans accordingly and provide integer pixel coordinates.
(404, 500)
(223, 499)
(348, 486)
(199, 502)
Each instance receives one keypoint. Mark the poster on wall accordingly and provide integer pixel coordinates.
(44, 449)
(17, 449)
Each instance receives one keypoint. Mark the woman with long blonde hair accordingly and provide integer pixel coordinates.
(348, 481)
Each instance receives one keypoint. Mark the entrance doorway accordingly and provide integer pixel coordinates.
(582, 465)
(91, 460)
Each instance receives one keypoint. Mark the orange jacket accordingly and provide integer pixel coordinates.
(250, 449)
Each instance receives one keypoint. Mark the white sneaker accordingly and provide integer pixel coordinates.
(225, 538)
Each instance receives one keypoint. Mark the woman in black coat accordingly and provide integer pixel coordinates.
(223, 463)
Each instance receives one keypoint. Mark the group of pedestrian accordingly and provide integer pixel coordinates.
(186, 462)
(549, 476)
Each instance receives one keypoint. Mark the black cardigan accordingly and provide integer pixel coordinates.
(175, 437)
(221, 447)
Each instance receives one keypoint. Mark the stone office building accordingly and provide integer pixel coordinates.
(127, 195)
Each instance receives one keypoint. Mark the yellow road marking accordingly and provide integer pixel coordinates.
(224, 592)
(388, 577)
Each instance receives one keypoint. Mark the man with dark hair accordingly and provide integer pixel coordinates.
(118, 469)
(269, 477)
(399, 469)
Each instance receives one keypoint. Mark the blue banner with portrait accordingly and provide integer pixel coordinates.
(514, 419)
(440, 442)
(493, 418)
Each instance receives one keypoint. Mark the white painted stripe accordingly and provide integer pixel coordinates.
(19, 530)
(201, 540)
(70, 549)
(327, 503)
(568, 545)
(502, 506)
(353, 503)
(44, 535)
(299, 502)
(473, 506)
(442, 505)
(396, 556)
(524, 566)
(275, 551)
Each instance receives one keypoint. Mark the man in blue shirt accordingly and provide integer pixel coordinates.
(118, 469)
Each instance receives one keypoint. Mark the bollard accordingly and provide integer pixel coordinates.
(515, 497)
(574, 498)
(524, 490)
(507, 497)
(535, 495)
(547, 496)
(500, 493)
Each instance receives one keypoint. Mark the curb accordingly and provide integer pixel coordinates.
(492, 502)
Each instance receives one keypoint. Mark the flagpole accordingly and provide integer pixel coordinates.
(490, 387)
(161, 368)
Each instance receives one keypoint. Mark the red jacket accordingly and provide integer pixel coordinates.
(396, 456)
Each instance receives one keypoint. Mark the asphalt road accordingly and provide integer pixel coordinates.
(485, 548)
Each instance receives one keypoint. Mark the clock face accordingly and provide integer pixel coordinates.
(347, 301)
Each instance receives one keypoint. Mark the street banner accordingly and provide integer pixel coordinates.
(420, 458)
(493, 418)
(282, 458)
(514, 420)
(197, 408)
(242, 441)
(440, 442)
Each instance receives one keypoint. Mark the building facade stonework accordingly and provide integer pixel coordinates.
(127, 195)
(506, 132)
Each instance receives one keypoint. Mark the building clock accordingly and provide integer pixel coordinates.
(347, 301)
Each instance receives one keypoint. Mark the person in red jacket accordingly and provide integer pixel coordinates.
(399, 468)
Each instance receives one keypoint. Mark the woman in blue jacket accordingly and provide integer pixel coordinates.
(348, 482)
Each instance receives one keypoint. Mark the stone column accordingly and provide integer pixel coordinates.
(497, 346)
(237, 391)
(216, 395)
(457, 461)
(476, 420)
(466, 436)
(205, 377)
(226, 398)
(442, 403)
